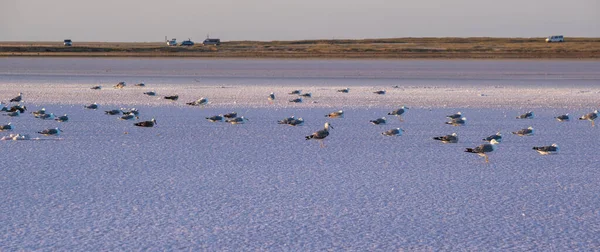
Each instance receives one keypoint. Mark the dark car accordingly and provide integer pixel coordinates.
(187, 43)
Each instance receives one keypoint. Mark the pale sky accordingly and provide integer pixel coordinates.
(151, 20)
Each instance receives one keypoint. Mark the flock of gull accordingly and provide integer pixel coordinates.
(15, 109)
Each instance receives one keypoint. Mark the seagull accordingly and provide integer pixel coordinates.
(296, 122)
(39, 112)
(457, 121)
(497, 137)
(452, 138)
(378, 121)
(132, 111)
(590, 117)
(150, 93)
(201, 101)
(528, 115)
(309, 95)
(454, 116)
(297, 100)
(129, 116)
(91, 106)
(271, 96)
(114, 112)
(399, 112)
(217, 118)
(563, 118)
(483, 149)
(14, 113)
(141, 84)
(120, 85)
(6, 127)
(63, 118)
(336, 114)
(50, 132)
(286, 120)
(321, 134)
(18, 107)
(20, 137)
(47, 116)
(96, 87)
(295, 92)
(524, 132)
(172, 97)
(380, 92)
(393, 132)
(18, 98)
(237, 120)
(147, 124)
(345, 90)
(230, 115)
(545, 150)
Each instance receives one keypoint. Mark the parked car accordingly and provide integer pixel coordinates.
(209, 41)
(188, 42)
(555, 38)
(172, 42)
(68, 42)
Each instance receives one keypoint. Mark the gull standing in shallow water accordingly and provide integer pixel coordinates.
(524, 132)
(399, 112)
(452, 138)
(216, 118)
(393, 132)
(590, 117)
(64, 118)
(237, 120)
(146, 124)
(497, 137)
(454, 116)
(6, 127)
(457, 121)
(483, 149)
(91, 106)
(18, 98)
(545, 150)
(271, 97)
(50, 132)
(528, 115)
(321, 134)
(563, 118)
(336, 114)
(378, 121)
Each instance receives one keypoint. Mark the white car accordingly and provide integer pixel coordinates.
(556, 38)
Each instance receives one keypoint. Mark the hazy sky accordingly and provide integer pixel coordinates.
(152, 20)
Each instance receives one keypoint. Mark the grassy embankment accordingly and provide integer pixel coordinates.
(397, 48)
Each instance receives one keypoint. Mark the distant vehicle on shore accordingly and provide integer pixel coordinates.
(555, 38)
(188, 42)
(68, 42)
(172, 42)
(209, 41)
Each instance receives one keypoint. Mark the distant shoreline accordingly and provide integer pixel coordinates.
(396, 48)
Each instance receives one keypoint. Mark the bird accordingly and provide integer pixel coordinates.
(216, 118)
(524, 132)
(271, 96)
(120, 85)
(63, 118)
(457, 121)
(146, 124)
(378, 121)
(19, 107)
(237, 120)
(38, 113)
(2, 107)
(50, 132)
(297, 100)
(452, 138)
(6, 127)
(295, 92)
(14, 113)
(563, 118)
(296, 122)
(454, 116)
(172, 97)
(399, 112)
(129, 116)
(393, 132)
(336, 114)
(230, 115)
(497, 137)
(321, 134)
(96, 87)
(545, 150)
(484, 149)
(380, 92)
(114, 112)
(18, 98)
(141, 84)
(18, 137)
(590, 117)
(150, 93)
(528, 115)
(91, 106)
(47, 116)
(132, 111)
(309, 95)
(201, 101)
(286, 120)
(345, 90)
